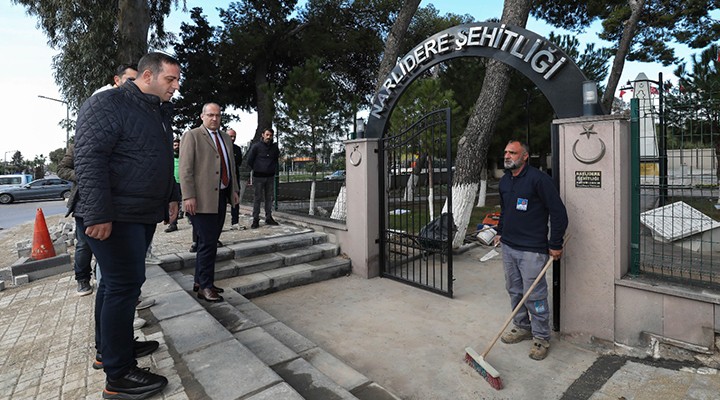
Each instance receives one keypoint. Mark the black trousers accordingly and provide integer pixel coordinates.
(208, 228)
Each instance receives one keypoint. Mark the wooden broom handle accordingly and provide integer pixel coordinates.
(541, 275)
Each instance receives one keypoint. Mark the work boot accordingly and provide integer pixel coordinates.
(136, 383)
(516, 335)
(255, 224)
(84, 288)
(539, 349)
(271, 221)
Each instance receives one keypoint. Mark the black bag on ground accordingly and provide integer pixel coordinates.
(434, 235)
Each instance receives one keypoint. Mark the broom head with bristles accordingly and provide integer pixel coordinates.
(484, 368)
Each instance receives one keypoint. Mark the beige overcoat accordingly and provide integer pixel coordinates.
(200, 169)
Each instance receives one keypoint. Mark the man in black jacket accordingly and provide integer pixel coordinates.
(528, 199)
(263, 160)
(124, 168)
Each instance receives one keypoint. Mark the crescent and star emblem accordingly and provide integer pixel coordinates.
(588, 130)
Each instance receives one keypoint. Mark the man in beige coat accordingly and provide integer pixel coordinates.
(208, 183)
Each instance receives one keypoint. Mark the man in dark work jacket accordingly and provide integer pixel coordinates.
(263, 160)
(529, 200)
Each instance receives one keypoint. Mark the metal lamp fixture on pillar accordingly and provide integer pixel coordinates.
(359, 128)
(590, 99)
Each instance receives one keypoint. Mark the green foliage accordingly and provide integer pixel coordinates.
(310, 113)
(662, 22)
(692, 108)
(55, 157)
(87, 35)
(197, 53)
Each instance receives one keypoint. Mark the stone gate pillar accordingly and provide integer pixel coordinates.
(361, 181)
(595, 186)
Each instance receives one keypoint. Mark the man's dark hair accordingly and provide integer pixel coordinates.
(524, 145)
(269, 129)
(176, 140)
(154, 61)
(120, 70)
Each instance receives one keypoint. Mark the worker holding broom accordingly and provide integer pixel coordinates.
(528, 197)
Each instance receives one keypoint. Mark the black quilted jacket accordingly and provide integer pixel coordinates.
(124, 157)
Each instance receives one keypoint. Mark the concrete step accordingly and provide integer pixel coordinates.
(270, 281)
(308, 369)
(258, 267)
(246, 249)
(213, 364)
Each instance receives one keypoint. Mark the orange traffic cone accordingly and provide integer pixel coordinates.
(42, 245)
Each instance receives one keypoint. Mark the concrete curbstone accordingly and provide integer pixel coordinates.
(21, 280)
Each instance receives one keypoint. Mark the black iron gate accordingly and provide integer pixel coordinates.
(416, 222)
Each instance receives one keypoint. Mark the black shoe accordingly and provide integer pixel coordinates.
(271, 221)
(140, 348)
(193, 247)
(219, 244)
(196, 287)
(84, 288)
(171, 228)
(136, 383)
(255, 224)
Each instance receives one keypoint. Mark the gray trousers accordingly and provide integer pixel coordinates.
(521, 269)
(263, 191)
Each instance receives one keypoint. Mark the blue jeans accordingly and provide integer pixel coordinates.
(263, 187)
(83, 256)
(121, 258)
(521, 269)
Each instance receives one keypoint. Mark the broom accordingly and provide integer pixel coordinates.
(477, 361)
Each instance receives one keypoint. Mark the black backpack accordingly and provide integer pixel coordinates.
(434, 235)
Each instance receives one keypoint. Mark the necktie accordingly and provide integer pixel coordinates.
(223, 169)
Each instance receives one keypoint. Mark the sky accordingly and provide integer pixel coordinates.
(26, 73)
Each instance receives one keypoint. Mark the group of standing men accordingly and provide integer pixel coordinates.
(124, 166)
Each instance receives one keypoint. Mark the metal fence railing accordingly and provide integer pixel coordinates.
(325, 201)
(676, 233)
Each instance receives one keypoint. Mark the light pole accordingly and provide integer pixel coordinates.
(67, 117)
(5, 163)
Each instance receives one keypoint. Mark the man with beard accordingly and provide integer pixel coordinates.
(263, 160)
(527, 198)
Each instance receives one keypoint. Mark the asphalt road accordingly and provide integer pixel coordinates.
(21, 212)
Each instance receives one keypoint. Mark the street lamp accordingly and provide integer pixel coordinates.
(67, 117)
(5, 163)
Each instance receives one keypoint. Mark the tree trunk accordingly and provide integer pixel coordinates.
(264, 94)
(394, 40)
(414, 177)
(482, 194)
(473, 145)
(133, 27)
(431, 189)
(636, 7)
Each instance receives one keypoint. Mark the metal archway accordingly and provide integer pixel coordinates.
(548, 67)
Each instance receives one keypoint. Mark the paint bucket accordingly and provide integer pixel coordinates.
(486, 237)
